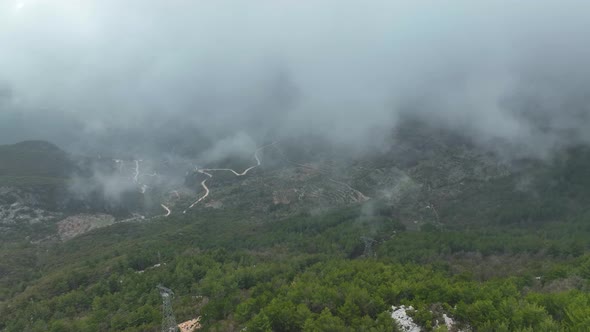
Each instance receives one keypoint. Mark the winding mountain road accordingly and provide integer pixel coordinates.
(207, 170)
(136, 175)
(167, 210)
(258, 163)
(203, 184)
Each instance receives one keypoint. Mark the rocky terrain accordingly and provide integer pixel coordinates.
(73, 226)
(280, 180)
(16, 213)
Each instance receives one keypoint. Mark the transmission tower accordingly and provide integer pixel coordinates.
(368, 252)
(168, 320)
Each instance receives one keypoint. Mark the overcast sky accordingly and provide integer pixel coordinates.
(85, 71)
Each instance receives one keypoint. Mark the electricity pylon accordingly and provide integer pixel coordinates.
(368, 252)
(168, 320)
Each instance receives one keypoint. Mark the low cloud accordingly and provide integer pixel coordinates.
(239, 145)
(513, 76)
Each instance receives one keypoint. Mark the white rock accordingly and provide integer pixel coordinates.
(405, 322)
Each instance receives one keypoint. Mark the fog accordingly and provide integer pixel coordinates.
(226, 76)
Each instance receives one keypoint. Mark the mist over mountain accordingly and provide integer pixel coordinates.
(294, 165)
(142, 76)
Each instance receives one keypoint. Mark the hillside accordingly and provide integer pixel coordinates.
(33, 160)
(308, 239)
(37, 192)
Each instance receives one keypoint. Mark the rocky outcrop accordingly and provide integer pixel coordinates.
(25, 205)
(190, 325)
(404, 321)
(17, 213)
(82, 223)
(24, 196)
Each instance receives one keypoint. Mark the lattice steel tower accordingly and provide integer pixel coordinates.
(369, 242)
(168, 320)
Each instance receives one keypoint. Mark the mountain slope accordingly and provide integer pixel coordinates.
(38, 159)
(452, 230)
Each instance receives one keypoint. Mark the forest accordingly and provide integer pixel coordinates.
(339, 270)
